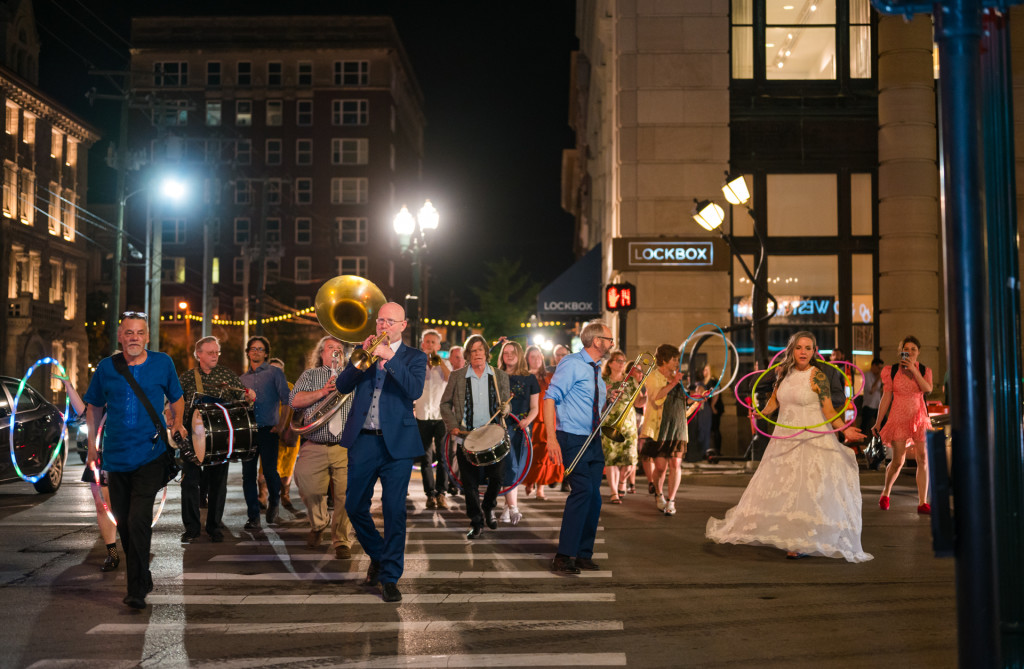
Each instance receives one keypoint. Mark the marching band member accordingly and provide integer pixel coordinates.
(525, 405)
(205, 383)
(428, 417)
(470, 399)
(382, 440)
(321, 458)
(576, 396)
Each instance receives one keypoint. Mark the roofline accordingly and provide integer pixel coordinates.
(30, 97)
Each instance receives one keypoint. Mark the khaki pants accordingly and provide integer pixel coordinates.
(318, 465)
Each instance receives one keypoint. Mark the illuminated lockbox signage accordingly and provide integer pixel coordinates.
(619, 297)
(670, 253)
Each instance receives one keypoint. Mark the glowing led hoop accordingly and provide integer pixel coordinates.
(527, 444)
(416, 467)
(753, 393)
(98, 496)
(14, 414)
(682, 353)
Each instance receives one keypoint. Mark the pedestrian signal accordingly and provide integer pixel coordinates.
(619, 296)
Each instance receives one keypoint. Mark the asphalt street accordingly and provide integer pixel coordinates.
(665, 596)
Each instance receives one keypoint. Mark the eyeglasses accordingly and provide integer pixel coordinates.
(256, 348)
(610, 340)
(135, 314)
(389, 321)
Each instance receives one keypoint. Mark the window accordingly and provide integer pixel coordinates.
(350, 112)
(352, 230)
(243, 152)
(211, 191)
(273, 192)
(273, 231)
(238, 272)
(173, 231)
(243, 112)
(215, 271)
(791, 196)
(274, 73)
(172, 112)
(28, 198)
(241, 231)
(303, 269)
(70, 291)
(349, 191)
(303, 191)
(351, 73)
(275, 112)
(273, 152)
(172, 270)
(56, 144)
(305, 70)
(56, 280)
(243, 191)
(861, 198)
(350, 151)
(304, 112)
(71, 159)
(213, 73)
(28, 134)
(860, 39)
(213, 112)
(304, 152)
(352, 265)
(12, 118)
(53, 210)
(303, 231)
(69, 214)
(271, 270)
(10, 189)
(170, 73)
(243, 73)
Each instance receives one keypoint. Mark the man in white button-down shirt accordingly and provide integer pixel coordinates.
(428, 416)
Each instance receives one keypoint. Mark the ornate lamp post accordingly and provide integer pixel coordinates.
(412, 236)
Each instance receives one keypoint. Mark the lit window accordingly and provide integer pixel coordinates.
(28, 135)
(56, 144)
(68, 214)
(243, 112)
(172, 270)
(12, 118)
(213, 112)
(10, 189)
(27, 206)
(350, 151)
(53, 210)
(71, 159)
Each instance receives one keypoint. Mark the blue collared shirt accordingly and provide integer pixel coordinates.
(480, 387)
(271, 391)
(572, 388)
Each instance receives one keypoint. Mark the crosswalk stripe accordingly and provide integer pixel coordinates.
(362, 627)
(313, 557)
(407, 598)
(358, 576)
(415, 541)
(454, 528)
(467, 660)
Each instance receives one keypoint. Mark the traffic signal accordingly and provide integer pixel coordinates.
(619, 296)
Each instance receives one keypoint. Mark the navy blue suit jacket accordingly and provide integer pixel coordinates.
(403, 384)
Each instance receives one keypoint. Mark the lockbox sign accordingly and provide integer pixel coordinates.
(670, 253)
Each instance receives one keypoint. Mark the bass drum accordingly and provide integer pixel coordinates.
(221, 432)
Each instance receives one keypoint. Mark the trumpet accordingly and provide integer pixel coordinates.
(434, 360)
(623, 411)
(362, 359)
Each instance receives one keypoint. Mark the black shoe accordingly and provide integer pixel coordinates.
(373, 573)
(492, 522)
(452, 490)
(565, 487)
(563, 564)
(135, 602)
(216, 536)
(252, 524)
(272, 514)
(389, 592)
(203, 503)
(188, 537)
(110, 564)
(587, 563)
(475, 532)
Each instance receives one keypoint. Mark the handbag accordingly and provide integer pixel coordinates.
(874, 452)
(172, 458)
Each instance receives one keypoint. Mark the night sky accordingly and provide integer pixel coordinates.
(495, 77)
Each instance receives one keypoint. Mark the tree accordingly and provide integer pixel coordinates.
(507, 298)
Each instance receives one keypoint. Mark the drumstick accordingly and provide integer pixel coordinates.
(501, 407)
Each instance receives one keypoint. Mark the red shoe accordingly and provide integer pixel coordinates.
(883, 502)
(924, 509)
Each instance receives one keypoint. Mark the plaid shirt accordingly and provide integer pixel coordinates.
(311, 381)
(220, 382)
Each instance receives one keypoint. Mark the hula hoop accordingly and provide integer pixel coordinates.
(682, 353)
(842, 411)
(527, 445)
(96, 495)
(14, 414)
(736, 370)
(416, 468)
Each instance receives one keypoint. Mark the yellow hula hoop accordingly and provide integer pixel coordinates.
(753, 393)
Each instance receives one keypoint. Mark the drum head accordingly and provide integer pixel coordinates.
(199, 435)
(484, 438)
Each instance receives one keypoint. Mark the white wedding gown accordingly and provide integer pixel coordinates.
(805, 495)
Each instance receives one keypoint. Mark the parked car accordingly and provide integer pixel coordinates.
(37, 429)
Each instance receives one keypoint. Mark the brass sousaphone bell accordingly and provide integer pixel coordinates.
(347, 308)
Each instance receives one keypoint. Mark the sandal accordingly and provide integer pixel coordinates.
(615, 499)
(631, 489)
(622, 492)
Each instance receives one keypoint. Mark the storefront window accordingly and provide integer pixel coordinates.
(802, 205)
(861, 200)
(863, 304)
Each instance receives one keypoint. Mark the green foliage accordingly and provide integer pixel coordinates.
(506, 298)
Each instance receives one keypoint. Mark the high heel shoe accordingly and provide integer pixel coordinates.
(883, 502)
(924, 509)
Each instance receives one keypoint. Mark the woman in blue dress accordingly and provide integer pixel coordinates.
(525, 406)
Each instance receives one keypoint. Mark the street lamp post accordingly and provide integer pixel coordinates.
(412, 236)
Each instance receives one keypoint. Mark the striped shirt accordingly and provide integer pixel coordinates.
(313, 380)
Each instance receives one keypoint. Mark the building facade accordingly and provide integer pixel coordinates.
(44, 150)
(300, 138)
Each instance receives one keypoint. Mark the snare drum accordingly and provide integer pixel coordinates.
(486, 445)
(221, 432)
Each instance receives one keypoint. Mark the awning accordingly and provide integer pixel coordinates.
(576, 292)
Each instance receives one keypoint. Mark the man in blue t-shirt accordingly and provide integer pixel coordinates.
(134, 454)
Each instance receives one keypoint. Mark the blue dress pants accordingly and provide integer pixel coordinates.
(583, 506)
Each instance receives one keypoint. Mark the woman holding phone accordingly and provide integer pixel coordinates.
(904, 387)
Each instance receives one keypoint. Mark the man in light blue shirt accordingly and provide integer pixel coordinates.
(577, 397)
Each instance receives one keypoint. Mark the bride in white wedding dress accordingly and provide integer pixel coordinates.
(805, 495)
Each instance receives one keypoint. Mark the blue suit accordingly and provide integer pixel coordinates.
(387, 456)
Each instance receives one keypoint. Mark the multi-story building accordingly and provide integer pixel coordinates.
(44, 259)
(304, 136)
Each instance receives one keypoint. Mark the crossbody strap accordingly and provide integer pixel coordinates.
(199, 381)
(121, 365)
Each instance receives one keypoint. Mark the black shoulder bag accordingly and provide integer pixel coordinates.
(171, 466)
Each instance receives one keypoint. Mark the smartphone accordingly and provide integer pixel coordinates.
(904, 355)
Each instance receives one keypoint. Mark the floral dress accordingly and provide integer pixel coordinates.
(621, 453)
(908, 413)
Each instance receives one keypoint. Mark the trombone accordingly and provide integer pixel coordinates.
(613, 430)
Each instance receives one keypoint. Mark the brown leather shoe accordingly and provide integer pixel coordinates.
(587, 563)
(563, 564)
(313, 539)
(442, 501)
(431, 502)
(343, 552)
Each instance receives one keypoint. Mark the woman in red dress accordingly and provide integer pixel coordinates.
(544, 469)
(908, 420)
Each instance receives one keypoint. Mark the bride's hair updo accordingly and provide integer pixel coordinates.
(788, 361)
